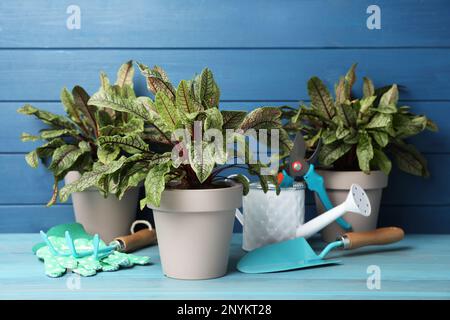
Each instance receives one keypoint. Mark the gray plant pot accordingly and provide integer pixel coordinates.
(109, 217)
(194, 229)
(338, 185)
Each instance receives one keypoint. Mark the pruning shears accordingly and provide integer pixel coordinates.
(298, 167)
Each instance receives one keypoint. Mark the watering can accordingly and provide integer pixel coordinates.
(271, 218)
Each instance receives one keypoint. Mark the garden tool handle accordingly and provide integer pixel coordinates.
(353, 240)
(137, 240)
(315, 183)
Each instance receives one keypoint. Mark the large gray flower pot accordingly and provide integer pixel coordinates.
(194, 229)
(109, 217)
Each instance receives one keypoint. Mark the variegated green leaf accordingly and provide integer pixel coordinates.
(104, 81)
(44, 151)
(381, 161)
(342, 132)
(155, 183)
(90, 178)
(32, 159)
(352, 138)
(47, 117)
(213, 119)
(329, 136)
(81, 99)
(184, 99)
(262, 118)
(390, 97)
(407, 126)
(131, 176)
(26, 137)
(65, 157)
(366, 103)
(368, 88)
(342, 92)
(157, 81)
(321, 99)
(387, 108)
(409, 159)
(206, 90)
(380, 120)
(167, 111)
(364, 151)
(347, 114)
(331, 152)
(108, 153)
(202, 159)
(382, 138)
(113, 99)
(51, 134)
(131, 143)
(350, 78)
(233, 119)
(71, 109)
(125, 74)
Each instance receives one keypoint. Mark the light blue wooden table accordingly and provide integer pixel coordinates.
(416, 268)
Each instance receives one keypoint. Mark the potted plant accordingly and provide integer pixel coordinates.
(71, 149)
(359, 137)
(187, 146)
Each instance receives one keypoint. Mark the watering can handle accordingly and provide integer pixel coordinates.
(239, 217)
(315, 183)
(353, 240)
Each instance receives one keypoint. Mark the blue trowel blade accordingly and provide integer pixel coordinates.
(286, 255)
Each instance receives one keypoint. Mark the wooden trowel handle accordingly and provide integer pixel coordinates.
(137, 240)
(353, 240)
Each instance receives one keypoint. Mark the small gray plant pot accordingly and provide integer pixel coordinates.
(109, 217)
(338, 185)
(194, 229)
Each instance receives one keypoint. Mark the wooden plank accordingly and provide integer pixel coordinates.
(33, 218)
(13, 124)
(242, 74)
(33, 186)
(162, 23)
(412, 269)
(413, 219)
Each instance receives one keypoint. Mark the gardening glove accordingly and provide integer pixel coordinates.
(56, 266)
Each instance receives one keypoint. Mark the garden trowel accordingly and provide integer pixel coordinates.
(298, 254)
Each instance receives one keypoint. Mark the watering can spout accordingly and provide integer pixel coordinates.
(356, 202)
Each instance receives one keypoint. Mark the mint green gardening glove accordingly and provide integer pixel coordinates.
(56, 265)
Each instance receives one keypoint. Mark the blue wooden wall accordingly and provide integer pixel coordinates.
(261, 52)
